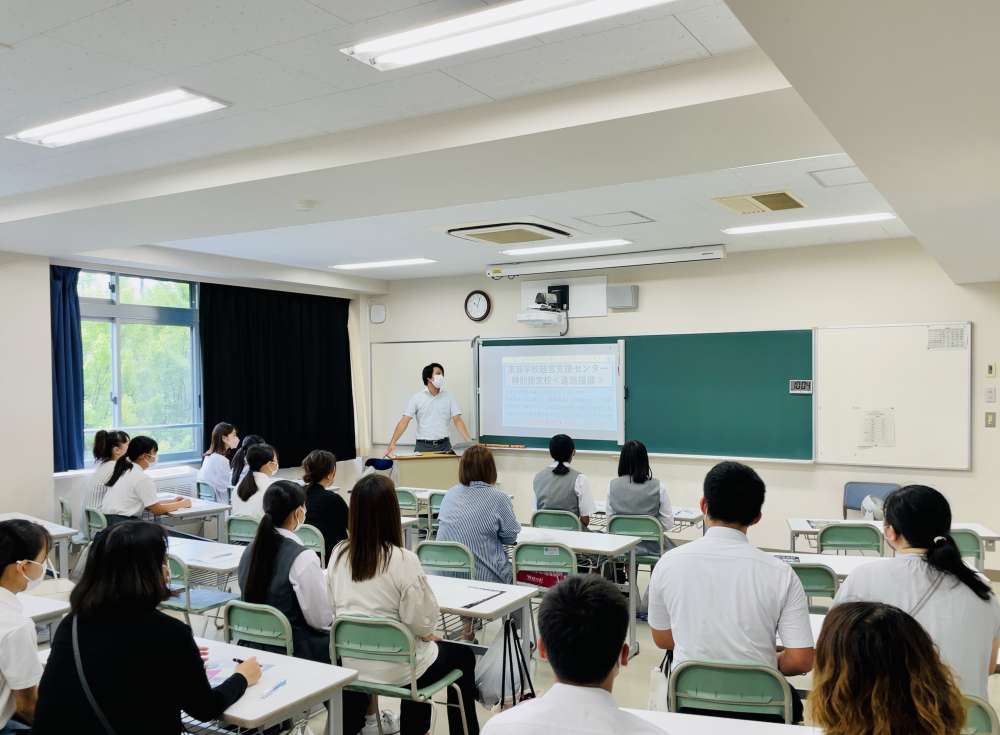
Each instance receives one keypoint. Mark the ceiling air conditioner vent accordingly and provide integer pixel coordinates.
(773, 201)
(510, 233)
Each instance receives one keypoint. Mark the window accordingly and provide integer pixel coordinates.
(140, 360)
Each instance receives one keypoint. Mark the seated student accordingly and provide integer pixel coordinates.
(325, 510)
(635, 492)
(477, 514)
(248, 498)
(238, 463)
(24, 548)
(372, 574)
(877, 671)
(928, 580)
(141, 666)
(721, 599)
(109, 447)
(559, 486)
(583, 626)
(215, 469)
(131, 491)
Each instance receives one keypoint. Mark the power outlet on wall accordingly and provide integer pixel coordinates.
(991, 393)
(991, 419)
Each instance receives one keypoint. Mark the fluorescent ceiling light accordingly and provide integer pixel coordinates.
(803, 224)
(142, 113)
(567, 247)
(383, 264)
(490, 27)
(601, 262)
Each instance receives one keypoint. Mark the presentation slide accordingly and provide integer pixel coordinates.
(541, 390)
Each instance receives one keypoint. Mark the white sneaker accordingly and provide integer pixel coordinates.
(390, 724)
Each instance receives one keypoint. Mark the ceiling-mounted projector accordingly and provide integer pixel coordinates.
(598, 262)
(536, 316)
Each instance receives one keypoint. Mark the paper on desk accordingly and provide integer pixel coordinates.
(464, 597)
(218, 671)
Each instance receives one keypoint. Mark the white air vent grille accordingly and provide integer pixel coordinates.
(772, 201)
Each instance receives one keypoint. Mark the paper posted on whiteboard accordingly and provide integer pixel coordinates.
(947, 338)
(876, 427)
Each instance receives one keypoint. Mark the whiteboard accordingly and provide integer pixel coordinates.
(395, 376)
(895, 396)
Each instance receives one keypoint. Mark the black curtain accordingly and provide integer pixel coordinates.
(278, 364)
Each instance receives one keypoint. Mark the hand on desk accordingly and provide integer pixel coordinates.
(250, 670)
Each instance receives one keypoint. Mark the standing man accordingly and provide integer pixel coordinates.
(433, 408)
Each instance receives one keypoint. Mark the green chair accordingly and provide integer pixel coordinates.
(544, 557)
(848, 537)
(447, 556)
(96, 521)
(375, 639)
(206, 492)
(431, 523)
(970, 545)
(818, 580)
(648, 528)
(247, 622)
(408, 505)
(189, 599)
(313, 539)
(241, 529)
(740, 688)
(560, 519)
(980, 717)
(66, 518)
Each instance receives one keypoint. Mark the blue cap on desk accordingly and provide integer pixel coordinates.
(379, 464)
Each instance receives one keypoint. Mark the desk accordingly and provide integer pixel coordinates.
(684, 518)
(678, 724)
(607, 545)
(60, 535)
(810, 528)
(841, 564)
(207, 556)
(199, 509)
(408, 523)
(427, 470)
(45, 611)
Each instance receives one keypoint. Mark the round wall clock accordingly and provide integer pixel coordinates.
(478, 305)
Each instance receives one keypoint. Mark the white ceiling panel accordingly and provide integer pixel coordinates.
(357, 12)
(25, 18)
(717, 28)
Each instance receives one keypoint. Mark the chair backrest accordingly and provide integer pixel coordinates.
(313, 539)
(260, 624)
(743, 688)
(180, 577)
(95, 521)
(206, 491)
(547, 558)
(447, 556)
(65, 513)
(374, 639)
(241, 529)
(818, 580)
(855, 492)
(970, 544)
(647, 528)
(407, 501)
(980, 717)
(561, 519)
(849, 537)
(434, 501)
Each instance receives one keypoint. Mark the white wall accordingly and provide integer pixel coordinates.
(26, 377)
(863, 283)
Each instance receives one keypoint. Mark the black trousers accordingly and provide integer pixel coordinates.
(415, 719)
(433, 445)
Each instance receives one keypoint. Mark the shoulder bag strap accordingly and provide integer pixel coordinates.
(83, 682)
(927, 595)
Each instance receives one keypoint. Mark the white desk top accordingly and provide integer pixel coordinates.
(687, 515)
(57, 531)
(582, 542)
(41, 609)
(456, 595)
(198, 507)
(841, 564)
(802, 526)
(408, 521)
(168, 473)
(209, 556)
(678, 724)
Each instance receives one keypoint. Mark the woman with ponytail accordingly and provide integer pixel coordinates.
(560, 487)
(109, 447)
(277, 570)
(131, 491)
(929, 580)
(248, 500)
(215, 470)
(238, 464)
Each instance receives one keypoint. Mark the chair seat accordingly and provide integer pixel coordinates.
(650, 559)
(424, 693)
(201, 599)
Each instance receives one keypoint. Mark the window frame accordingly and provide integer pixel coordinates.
(114, 312)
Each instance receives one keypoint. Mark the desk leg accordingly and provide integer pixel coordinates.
(335, 713)
(791, 540)
(64, 558)
(633, 601)
(526, 627)
(408, 537)
(222, 531)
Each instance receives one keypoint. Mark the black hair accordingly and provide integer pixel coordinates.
(428, 372)
(561, 447)
(238, 462)
(257, 456)
(219, 432)
(923, 516)
(583, 622)
(281, 499)
(139, 446)
(124, 570)
(634, 462)
(318, 465)
(105, 441)
(734, 493)
(22, 540)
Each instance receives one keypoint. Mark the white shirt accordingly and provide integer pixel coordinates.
(666, 513)
(254, 507)
(725, 600)
(433, 414)
(309, 583)
(570, 710)
(215, 471)
(19, 664)
(961, 624)
(582, 489)
(399, 592)
(131, 494)
(97, 486)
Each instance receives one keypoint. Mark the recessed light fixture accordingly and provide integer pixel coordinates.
(489, 27)
(803, 224)
(383, 264)
(566, 247)
(174, 104)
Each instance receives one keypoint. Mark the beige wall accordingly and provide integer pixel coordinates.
(864, 283)
(26, 377)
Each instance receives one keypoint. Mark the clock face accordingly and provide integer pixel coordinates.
(477, 306)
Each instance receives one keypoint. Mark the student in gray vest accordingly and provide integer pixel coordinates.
(560, 487)
(635, 492)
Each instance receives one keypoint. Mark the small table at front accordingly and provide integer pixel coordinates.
(810, 527)
(60, 535)
(199, 509)
(611, 546)
(45, 611)
(678, 724)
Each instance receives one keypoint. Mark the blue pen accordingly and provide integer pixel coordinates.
(275, 688)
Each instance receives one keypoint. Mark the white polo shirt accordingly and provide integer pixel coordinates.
(571, 710)
(131, 494)
(19, 664)
(726, 600)
(961, 624)
(433, 414)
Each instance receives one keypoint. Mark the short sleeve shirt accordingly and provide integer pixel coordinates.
(433, 414)
(131, 494)
(19, 664)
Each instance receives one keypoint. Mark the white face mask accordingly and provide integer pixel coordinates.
(299, 523)
(438, 381)
(33, 583)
